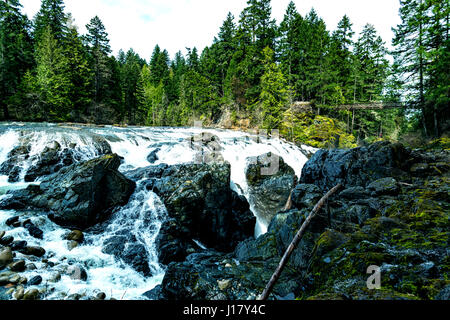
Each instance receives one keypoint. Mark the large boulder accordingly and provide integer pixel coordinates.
(78, 196)
(54, 157)
(201, 206)
(270, 182)
(357, 167)
(12, 167)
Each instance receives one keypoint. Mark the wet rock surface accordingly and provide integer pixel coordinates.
(382, 216)
(270, 182)
(80, 195)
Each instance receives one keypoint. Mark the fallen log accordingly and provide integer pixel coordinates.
(273, 280)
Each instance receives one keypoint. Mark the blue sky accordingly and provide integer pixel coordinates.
(177, 24)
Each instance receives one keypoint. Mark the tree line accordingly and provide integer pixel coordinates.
(254, 69)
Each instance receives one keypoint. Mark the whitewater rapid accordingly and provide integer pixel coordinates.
(144, 213)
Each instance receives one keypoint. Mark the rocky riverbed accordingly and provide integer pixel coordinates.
(100, 213)
(80, 227)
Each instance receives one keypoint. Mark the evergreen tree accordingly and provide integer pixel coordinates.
(15, 51)
(372, 70)
(290, 48)
(51, 14)
(78, 72)
(409, 56)
(133, 88)
(341, 43)
(159, 67)
(99, 49)
(52, 77)
(274, 92)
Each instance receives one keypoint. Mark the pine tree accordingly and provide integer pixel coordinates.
(99, 49)
(437, 82)
(53, 79)
(51, 14)
(15, 51)
(274, 92)
(79, 73)
(133, 88)
(409, 56)
(290, 48)
(342, 56)
(372, 64)
(159, 67)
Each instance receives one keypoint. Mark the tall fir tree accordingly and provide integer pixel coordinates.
(99, 49)
(51, 14)
(274, 92)
(16, 55)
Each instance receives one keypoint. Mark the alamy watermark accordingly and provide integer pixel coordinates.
(374, 281)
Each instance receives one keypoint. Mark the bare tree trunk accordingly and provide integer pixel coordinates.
(295, 243)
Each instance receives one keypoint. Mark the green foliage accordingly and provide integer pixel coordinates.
(317, 131)
(254, 70)
(274, 92)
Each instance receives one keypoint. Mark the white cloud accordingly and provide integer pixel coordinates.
(177, 24)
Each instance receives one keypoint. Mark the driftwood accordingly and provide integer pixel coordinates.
(295, 242)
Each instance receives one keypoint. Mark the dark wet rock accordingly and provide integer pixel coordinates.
(270, 182)
(357, 167)
(384, 186)
(200, 202)
(11, 221)
(33, 251)
(2, 233)
(6, 240)
(17, 266)
(136, 256)
(18, 245)
(390, 220)
(154, 294)
(152, 173)
(305, 196)
(35, 281)
(34, 231)
(75, 235)
(12, 166)
(100, 296)
(353, 193)
(127, 248)
(6, 256)
(53, 158)
(153, 156)
(46, 163)
(32, 294)
(80, 195)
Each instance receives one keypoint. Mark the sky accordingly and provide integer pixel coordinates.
(178, 24)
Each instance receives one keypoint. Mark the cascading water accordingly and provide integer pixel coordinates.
(142, 216)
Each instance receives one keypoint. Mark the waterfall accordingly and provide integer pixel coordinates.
(143, 215)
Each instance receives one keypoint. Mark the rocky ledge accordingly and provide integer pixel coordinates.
(392, 213)
(80, 195)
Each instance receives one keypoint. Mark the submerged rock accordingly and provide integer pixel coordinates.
(153, 156)
(80, 195)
